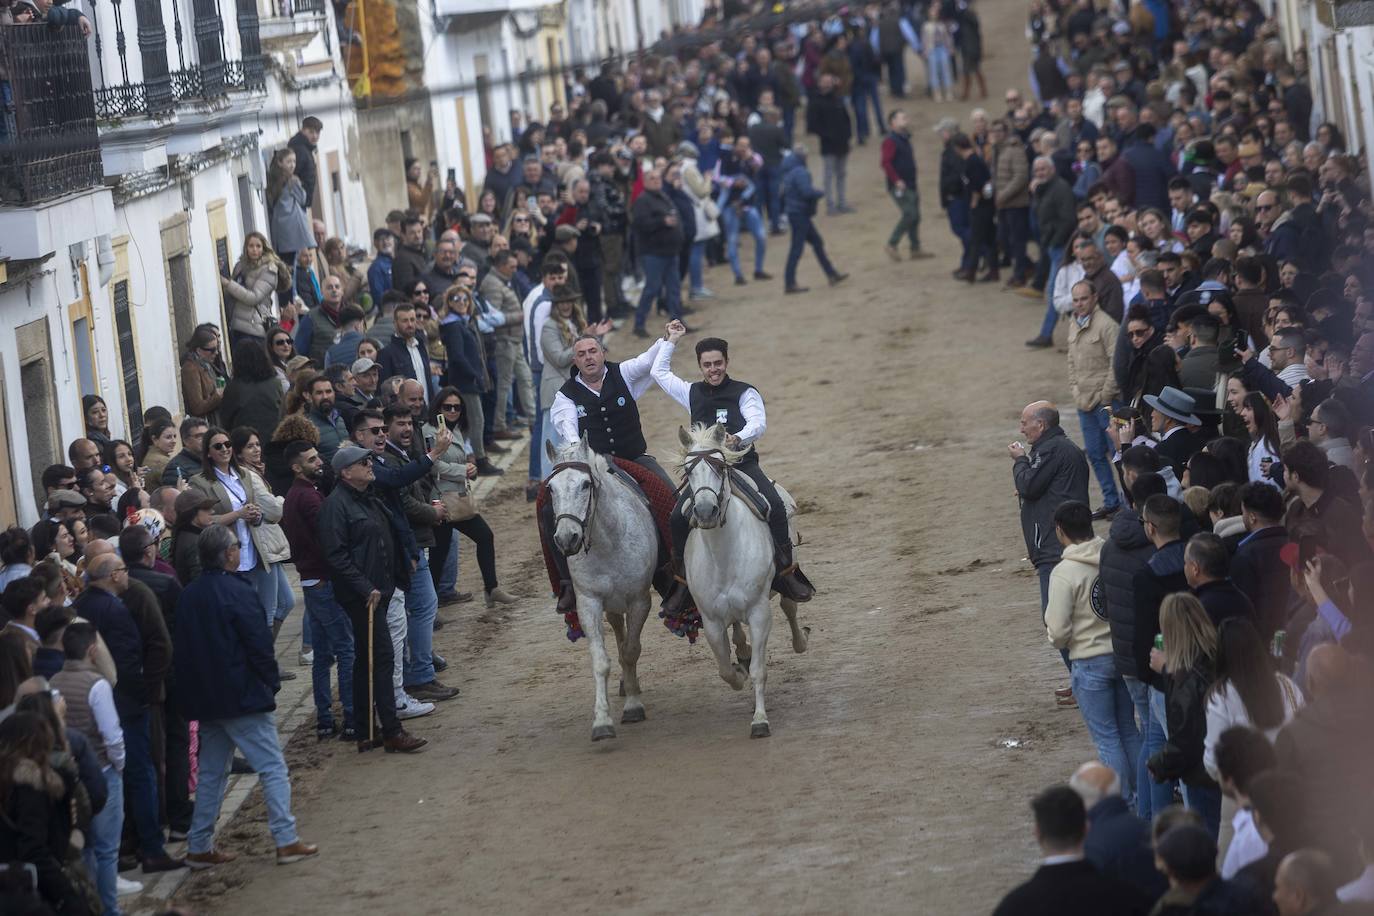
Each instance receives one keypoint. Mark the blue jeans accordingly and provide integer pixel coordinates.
(1109, 714)
(1051, 316)
(1013, 232)
(1151, 797)
(789, 123)
(730, 220)
(696, 260)
(448, 573)
(1206, 801)
(256, 736)
(536, 430)
(102, 847)
(1094, 426)
(140, 779)
(939, 69)
(803, 231)
(422, 603)
(332, 638)
(264, 582)
(660, 275)
(960, 223)
(770, 195)
(863, 95)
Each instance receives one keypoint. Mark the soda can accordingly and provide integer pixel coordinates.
(437, 503)
(1159, 641)
(1279, 637)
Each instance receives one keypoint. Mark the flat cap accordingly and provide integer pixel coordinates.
(565, 232)
(65, 499)
(362, 365)
(348, 456)
(189, 502)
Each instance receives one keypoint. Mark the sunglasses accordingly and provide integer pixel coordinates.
(1145, 333)
(521, 219)
(220, 446)
(374, 430)
(421, 292)
(282, 342)
(449, 408)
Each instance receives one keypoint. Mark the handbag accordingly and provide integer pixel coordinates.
(708, 206)
(459, 506)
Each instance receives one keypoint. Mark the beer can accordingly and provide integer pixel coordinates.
(1279, 637)
(437, 503)
(1159, 641)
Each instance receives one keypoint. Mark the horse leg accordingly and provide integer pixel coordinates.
(760, 622)
(799, 633)
(742, 651)
(589, 613)
(732, 673)
(629, 661)
(618, 625)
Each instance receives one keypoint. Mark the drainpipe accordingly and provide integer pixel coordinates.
(105, 259)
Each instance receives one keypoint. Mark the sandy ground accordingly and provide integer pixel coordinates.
(886, 786)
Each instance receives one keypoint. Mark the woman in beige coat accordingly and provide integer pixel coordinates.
(250, 289)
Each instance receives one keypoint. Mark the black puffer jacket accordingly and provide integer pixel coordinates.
(1123, 556)
(1053, 472)
(1185, 699)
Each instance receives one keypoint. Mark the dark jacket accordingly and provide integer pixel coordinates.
(1072, 889)
(1219, 898)
(1162, 575)
(799, 194)
(1053, 472)
(686, 214)
(305, 164)
(395, 360)
(190, 465)
(39, 830)
(1118, 843)
(166, 588)
(256, 405)
(1123, 557)
(828, 119)
(186, 552)
(1152, 170)
(1054, 212)
(415, 498)
(1143, 370)
(115, 625)
(653, 235)
(408, 265)
(1185, 705)
(1179, 447)
(224, 661)
(1222, 601)
(1258, 572)
(951, 176)
(300, 522)
(1199, 367)
(359, 538)
(467, 366)
(152, 631)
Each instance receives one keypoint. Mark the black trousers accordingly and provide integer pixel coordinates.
(377, 643)
(475, 529)
(681, 526)
(171, 739)
(590, 280)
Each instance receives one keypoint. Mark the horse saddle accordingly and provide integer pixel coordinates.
(745, 488)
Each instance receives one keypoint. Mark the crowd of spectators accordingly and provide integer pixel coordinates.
(1205, 245)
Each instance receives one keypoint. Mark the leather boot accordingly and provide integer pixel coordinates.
(680, 598)
(403, 742)
(790, 581)
(567, 600)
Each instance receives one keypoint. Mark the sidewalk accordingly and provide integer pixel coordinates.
(295, 707)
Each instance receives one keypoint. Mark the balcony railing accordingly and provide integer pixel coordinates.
(49, 145)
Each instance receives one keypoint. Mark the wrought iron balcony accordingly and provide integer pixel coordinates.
(126, 86)
(49, 145)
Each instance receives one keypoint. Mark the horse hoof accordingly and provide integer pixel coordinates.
(759, 730)
(603, 731)
(630, 716)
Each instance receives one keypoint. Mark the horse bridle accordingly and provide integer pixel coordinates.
(716, 461)
(584, 521)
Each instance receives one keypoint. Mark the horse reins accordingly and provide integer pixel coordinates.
(716, 461)
(585, 521)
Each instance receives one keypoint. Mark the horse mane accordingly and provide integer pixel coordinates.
(703, 438)
(580, 451)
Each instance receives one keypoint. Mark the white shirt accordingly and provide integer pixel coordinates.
(634, 371)
(536, 308)
(1361, 890)
(101, 701)
(419, 361)
(1246, 845)
(1225, 709)
(238, 498)
(1292, 374)
(750, 402)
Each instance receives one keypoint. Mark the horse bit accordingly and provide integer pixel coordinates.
(716, 461)
(586, 520)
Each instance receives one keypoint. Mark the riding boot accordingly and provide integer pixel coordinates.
(567, 600)
(790, 581)
(679, 600)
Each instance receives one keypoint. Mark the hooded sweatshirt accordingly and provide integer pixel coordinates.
(1076, 616)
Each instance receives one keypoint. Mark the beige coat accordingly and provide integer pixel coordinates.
(268, 538)
(252, 303)
(1090, 360)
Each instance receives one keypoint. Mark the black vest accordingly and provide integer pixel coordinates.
(903, 161)
(720, 405)
(611, 421)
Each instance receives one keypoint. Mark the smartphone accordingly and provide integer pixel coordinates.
(453, 175)
(443, 423)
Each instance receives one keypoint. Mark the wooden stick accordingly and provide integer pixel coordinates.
(371, 665)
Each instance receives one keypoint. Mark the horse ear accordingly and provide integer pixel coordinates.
(549, 449)
(718, 433)
(682, 437)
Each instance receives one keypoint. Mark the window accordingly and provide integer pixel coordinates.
(127, 345)
(40, 411)
(246, 198)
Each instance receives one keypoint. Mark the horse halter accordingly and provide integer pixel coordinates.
(584, 521)
(715, 460)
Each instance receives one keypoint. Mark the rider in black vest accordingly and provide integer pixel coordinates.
(598, 401)
(738, 407)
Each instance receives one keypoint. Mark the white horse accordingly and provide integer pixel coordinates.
(605, 530)
(729, 563)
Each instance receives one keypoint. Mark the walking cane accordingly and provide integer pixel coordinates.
(371, 665)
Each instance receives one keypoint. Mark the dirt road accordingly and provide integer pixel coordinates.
(885, 787)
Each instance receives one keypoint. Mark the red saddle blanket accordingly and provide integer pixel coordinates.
(662, 499)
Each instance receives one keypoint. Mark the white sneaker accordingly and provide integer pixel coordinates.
(307, 658)
(124, 887)
(413, 708)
